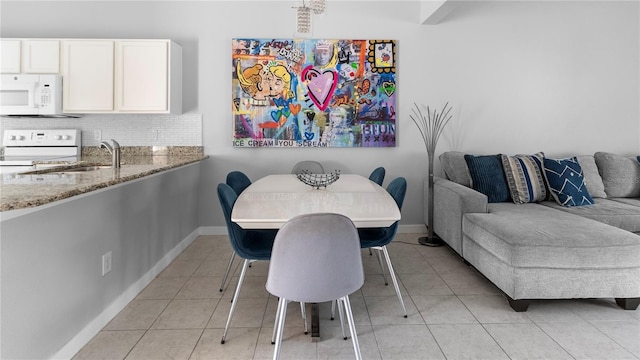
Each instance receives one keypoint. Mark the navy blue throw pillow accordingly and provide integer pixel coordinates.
(566, 182)
(487, 177)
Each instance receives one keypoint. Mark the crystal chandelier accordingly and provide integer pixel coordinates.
(303, 16)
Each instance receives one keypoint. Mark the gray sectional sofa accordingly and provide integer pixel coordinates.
(541, 249)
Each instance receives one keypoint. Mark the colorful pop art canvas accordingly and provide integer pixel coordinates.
(314, 93)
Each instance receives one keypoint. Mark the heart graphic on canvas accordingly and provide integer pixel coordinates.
(275, 115)
(294, 108)
(389, 87)
(308, 135)
(320, 85)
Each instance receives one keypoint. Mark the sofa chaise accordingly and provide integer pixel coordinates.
(536, 242)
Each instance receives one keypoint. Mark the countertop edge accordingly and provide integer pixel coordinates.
(14, 204)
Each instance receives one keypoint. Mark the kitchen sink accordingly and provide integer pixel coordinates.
(70, 169)
(84, 169)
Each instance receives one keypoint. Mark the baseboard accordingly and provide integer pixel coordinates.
(93, 328)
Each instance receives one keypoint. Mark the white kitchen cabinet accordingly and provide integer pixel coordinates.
(10, 56)
(122, 76)
(148, 76)
(87, 75)
(41, 56)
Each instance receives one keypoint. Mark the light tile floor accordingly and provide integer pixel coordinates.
(453, 313)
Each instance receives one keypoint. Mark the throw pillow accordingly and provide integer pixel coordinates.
(621, 175)
(566, 182)
(455, 167)
(524, 177)
(487, 177)
(592, 178)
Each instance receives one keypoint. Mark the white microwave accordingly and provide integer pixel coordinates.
(30, 95)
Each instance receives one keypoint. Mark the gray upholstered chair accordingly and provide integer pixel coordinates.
(310, 166)
(332, 272)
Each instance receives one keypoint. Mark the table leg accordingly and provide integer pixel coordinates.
(315, 322)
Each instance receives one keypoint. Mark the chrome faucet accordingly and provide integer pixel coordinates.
(114, 151)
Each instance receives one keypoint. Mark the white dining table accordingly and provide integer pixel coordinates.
(272, 200)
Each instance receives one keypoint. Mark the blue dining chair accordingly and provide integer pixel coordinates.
(238, 181)
(250, 245)
(377, 175)
(316, 258)
(378, 238)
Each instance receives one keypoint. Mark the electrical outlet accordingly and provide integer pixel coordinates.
(106, 263)
(97, 134)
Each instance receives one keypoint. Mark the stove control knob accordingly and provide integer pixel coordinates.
(57, 137)
(12, 137)
(66, 137)
(20, 137)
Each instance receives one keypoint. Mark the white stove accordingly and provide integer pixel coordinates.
(26, 150)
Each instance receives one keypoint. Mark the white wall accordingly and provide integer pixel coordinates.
(522, 77)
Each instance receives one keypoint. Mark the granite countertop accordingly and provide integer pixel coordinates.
(35, 188)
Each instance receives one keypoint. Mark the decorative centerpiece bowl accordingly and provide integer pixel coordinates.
(318, 180)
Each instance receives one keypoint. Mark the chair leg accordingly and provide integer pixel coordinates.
(304, 317)
(282, 315)
(341, 318)
(248, 266)
(352, 326)
(226, 272)
(392, 273)
(275, 324)
(333, 309)
(381, 266)
(234, 302)
(303, 310)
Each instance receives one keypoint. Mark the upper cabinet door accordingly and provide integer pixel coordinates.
(87, 70)
(142, 76)
(41, 56)
(10, 56)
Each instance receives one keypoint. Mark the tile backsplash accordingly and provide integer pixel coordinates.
(127, 129)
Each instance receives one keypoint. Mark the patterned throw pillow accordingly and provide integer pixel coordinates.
(566, 182)
(487, 177)
(525, 178)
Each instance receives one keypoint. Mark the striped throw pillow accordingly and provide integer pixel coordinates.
(525, 177)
